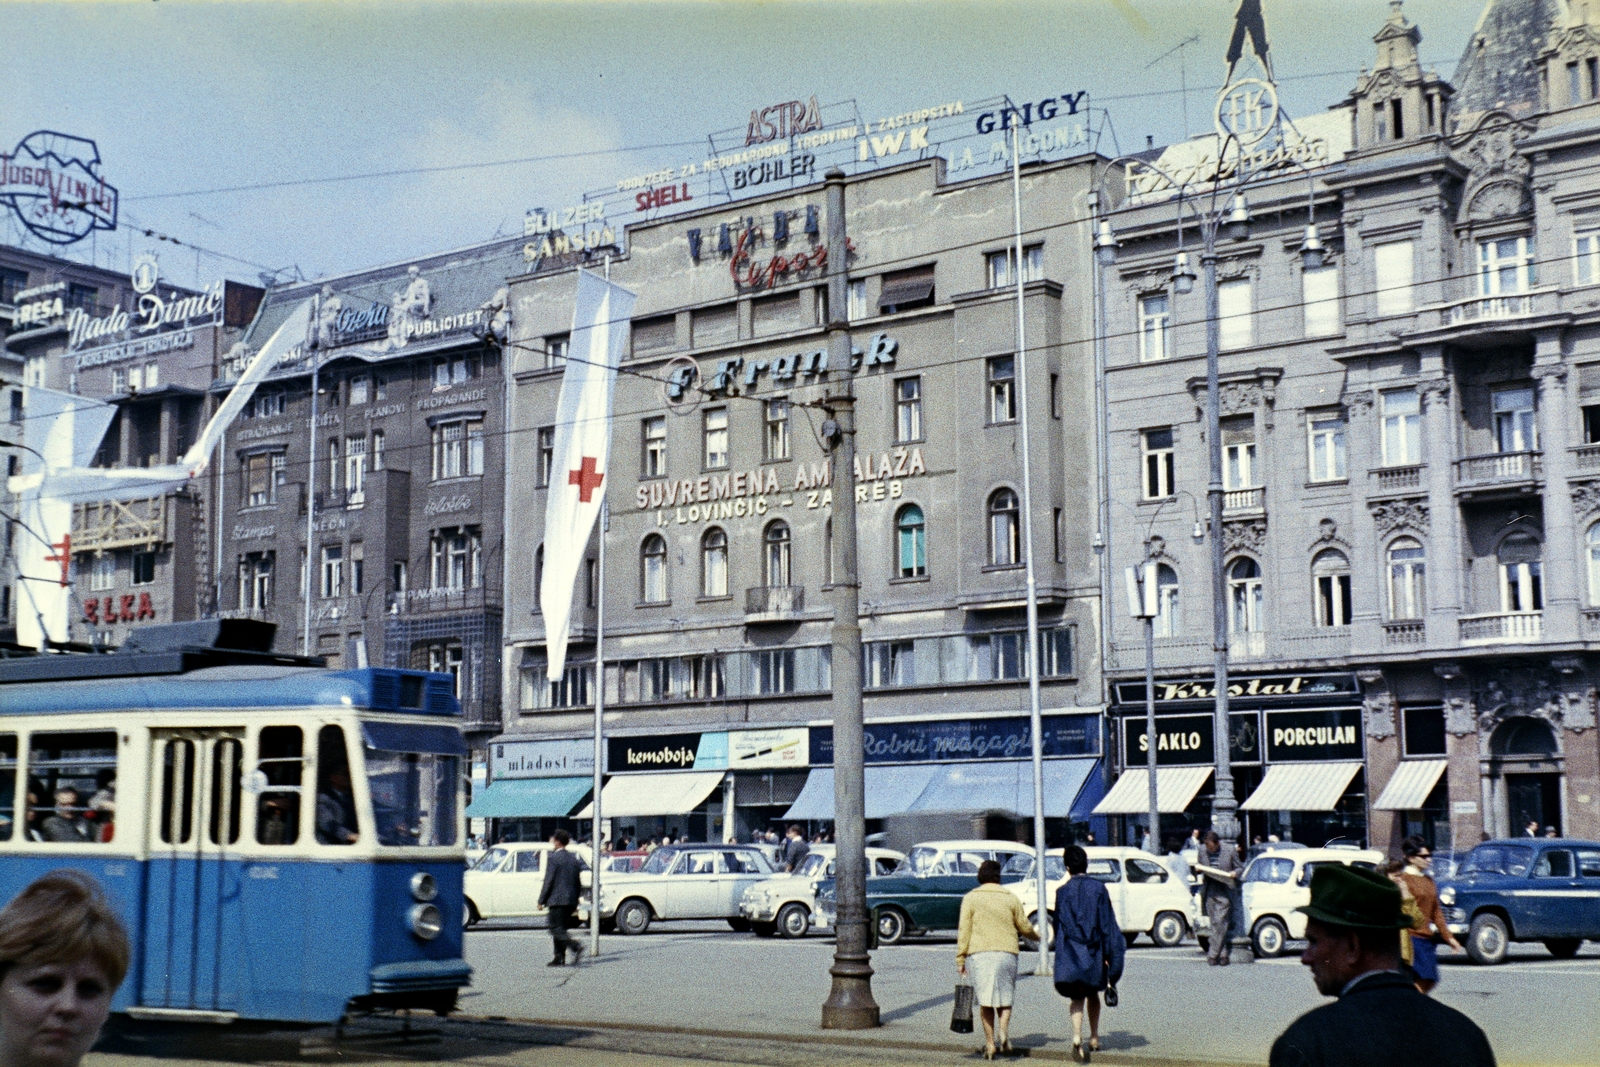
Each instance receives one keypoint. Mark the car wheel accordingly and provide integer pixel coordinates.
(633, 917)
(469, 914)
(764, 929)
(1168, 930)
(794, 920)
(1487, 940)
(740, 926)
(1563, 948)
(1268, 938)
(892, 926)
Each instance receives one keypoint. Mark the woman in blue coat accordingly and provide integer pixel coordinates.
(1089, 948)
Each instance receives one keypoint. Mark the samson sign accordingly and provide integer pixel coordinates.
(52, 182)
(1314, 735)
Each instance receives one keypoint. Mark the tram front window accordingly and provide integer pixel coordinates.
(72, 787)
(336, 804)
(280, 762)
(413, 796)
(8, 785)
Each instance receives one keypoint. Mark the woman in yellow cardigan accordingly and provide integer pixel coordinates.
(991, 919)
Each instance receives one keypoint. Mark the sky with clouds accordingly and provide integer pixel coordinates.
(394, 99)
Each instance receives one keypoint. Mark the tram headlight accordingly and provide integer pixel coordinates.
(427, 921)
(424, 887)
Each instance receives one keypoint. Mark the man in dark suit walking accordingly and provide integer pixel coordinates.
(560, 895)
(1379, 1020)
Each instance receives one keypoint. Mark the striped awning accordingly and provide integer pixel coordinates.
(1410, 784)
(1175, 789)
(1301, 787)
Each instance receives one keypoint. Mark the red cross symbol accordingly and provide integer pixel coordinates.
(586, 478)
(64, 546)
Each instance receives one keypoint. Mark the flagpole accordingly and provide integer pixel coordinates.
(599, 725)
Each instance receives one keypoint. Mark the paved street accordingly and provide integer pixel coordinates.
(700, 977)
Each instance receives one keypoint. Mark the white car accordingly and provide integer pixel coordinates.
(681, 882)
(786, 903)
(960, 857)
(1145, 895)
(505, 883)
(1276, 883)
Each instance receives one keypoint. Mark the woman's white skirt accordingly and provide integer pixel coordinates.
(994, 978)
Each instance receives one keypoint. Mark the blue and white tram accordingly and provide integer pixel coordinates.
(285, 842)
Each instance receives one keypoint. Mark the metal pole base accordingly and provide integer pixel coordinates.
(850, 1005)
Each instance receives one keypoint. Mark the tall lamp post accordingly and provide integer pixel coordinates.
(1232, 217)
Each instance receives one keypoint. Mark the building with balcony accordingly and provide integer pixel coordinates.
(380, 444)
(1415, 423)
(718, 664)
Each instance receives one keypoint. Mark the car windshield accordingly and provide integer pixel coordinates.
(1274, 869)
(1498, 859)
(413, 796)
(659, 861)
(490, 860)
(920, 861)
(813, 866)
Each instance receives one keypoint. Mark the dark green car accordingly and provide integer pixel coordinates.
(924, 893)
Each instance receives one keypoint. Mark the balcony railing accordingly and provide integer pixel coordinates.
(1322, 642)
(1395, 479)
(1586, 457)
(774, 602)
(1499, 467)
(1502, 628)
(1239, 500)
(1408, 633)
(1489, 308)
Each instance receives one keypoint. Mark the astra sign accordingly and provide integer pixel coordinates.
(52, 181)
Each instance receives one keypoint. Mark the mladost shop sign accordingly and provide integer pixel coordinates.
(541, 759)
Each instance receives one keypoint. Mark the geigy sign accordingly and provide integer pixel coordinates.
(736, 375)
(1072, 134)
(150, 314)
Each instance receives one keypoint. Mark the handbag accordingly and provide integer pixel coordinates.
(961, 1011)
(1111, 995)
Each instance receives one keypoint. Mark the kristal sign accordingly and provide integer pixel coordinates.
(52, 181)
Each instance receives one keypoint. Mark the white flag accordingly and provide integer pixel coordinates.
(582, 450)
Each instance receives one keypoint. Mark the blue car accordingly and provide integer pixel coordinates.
(1525, 889)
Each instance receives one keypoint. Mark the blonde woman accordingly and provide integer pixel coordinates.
(987, 945)
(63, 953)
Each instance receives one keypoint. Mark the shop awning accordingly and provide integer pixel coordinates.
(662, 793)
(890, 791)
(1175, 790)
(1004, 787)
(1410, 784)
(528, 798)
(1301, 787)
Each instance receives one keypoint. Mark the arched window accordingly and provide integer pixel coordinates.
(1244, 595)
(778, 554)
(1330, 574)
(653, 569)
(714, 563)
(1594, 564)
(1005, 532)
(911, 535)
(1166, 601)
(1521, 575)
(1407, 579)
(1524, 736)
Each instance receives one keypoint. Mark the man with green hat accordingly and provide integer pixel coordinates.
(1353, 950)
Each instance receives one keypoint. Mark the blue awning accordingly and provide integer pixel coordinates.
(1004, 787)
(529, 798)
(414, 737)
(890, 791)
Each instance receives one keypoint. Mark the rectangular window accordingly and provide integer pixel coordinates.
(1235, 323)
(332, 571)
(547, 455)
(1333, 600)
(280, 763)
(333, 464)
(714, 325)
(358, 576)
(774, 314)
(1155, 340)
(1056, 535)
(144, 568)
(1239, 452)
(1158, 463)
(1055, 652)
(1424, 731)
(82, 296)
(263, 474)
(1055, 396)
(1591, 424)
(360, 389)
(1515, 428)
(555, 351)
(908, 410)
(653, 455)
(72, 786)
(1327, 449)
(1394, 268)
(355, 469)
(656, 334)
(857, 305)
(904, 290)
(776, 439)
(152, 375)
(455, 558)
(1591, 77)
(12, 282)
(103, 572)
(1505, 266)
(1000, 265)
(255, 580)
(377, 450)
(119, 381)
(458, 449)
(715, 435)
(453, 370)
(1002, 389)
(1585, 257)
(380, 387)
(572, 691)
(1321, 295)
(1402, 428)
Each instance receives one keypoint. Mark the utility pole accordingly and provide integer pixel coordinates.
(850, 1005)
